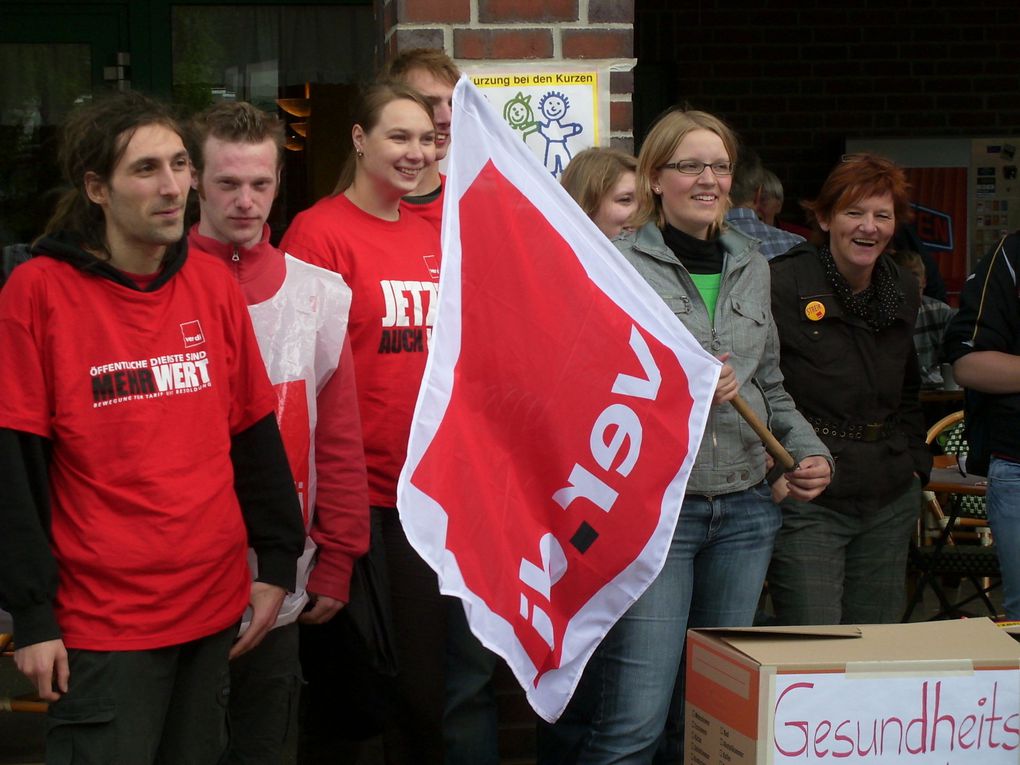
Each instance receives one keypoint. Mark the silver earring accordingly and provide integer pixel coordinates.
(360, 153)
(656, 189)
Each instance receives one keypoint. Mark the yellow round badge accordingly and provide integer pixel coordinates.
(814, 310)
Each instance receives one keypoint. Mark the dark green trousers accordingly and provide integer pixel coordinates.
(264, 690)
(165, 706)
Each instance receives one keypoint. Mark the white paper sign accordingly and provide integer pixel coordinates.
(924, 718)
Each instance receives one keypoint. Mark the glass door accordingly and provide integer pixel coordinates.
(304, 62)
(52, 57)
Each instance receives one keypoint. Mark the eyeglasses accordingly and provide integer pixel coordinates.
(694, 167)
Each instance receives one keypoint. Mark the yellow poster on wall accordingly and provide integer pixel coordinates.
(556, 108)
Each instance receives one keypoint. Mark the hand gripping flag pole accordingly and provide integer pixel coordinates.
(560, 414)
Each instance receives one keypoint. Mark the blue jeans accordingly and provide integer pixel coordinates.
(712, 577)
(1003, 503)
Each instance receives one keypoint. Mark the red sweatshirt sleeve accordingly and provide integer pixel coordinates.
(340, 527)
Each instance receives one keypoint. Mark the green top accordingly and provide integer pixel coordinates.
(708, 288)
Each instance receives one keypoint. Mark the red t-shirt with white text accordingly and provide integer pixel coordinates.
(392, 268)
(140, 393)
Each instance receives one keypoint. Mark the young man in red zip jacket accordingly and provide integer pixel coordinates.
(299, 312)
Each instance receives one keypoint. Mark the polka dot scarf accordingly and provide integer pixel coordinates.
(878, 303)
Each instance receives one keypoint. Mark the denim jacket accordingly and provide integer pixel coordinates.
(731, 457)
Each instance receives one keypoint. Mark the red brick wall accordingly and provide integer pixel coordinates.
(796, 79)
(511, 30)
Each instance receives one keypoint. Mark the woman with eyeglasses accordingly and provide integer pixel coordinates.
(845, 313)
(717, 283)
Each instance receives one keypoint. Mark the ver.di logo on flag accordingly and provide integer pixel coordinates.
(558, 420)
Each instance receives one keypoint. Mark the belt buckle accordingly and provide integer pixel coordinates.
(873, 431)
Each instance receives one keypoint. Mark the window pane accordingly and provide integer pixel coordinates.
(311, 55)
(39, 85)
(259, 53)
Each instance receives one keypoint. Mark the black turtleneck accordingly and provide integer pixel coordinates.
(699, 256)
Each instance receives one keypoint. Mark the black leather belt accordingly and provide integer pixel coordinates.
(868, 432)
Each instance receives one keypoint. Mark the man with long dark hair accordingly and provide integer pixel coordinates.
(141, 457)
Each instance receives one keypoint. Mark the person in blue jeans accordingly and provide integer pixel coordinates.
(717, 283)
(983, 343)
(1003, 505)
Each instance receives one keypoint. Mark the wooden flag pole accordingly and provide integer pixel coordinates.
(782, 457)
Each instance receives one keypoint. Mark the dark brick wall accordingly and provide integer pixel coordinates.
(557, 30)
(796, 79)
(434, 11)
(526, 11)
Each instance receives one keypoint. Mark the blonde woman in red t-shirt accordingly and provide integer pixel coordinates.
(391, 263)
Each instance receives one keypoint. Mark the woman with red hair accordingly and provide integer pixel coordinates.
(845, 314)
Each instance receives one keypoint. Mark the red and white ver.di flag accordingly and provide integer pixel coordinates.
(560, 414)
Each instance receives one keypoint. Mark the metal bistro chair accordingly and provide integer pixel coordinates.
(957, 543)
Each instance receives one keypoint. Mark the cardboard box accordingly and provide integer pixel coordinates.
(933, 693)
